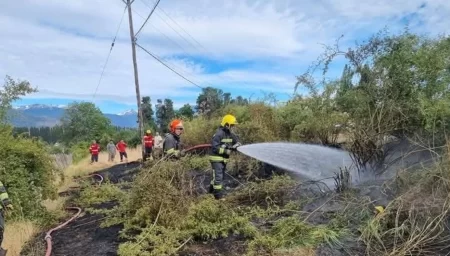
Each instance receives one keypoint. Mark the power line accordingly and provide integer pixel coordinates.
(149, 15)
(167, 66)
(205, 49)
(170, 26)
(109, 54)
(163, 34)
(176, 23)
(178, 45)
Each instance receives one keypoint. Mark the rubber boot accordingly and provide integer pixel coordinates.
(211, 189)
(3, 252)
(218, 194)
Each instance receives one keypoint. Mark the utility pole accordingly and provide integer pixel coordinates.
(136, 77)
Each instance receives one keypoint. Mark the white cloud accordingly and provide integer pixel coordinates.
(60, 46)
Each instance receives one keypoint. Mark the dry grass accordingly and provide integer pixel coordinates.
(17, 234)
(85, 167)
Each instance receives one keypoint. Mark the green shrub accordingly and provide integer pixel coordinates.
(80, 151)
(291, 232)
(211, 219)
(91, 195)
(27, 172)
(264, 192)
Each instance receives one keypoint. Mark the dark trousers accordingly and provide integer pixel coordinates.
(94, 158)
(2, 226)
(122, 155)
(219, 169)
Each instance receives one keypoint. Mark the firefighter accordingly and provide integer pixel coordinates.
(148, 144)
(171, 145)
(122, 148)
(94, 149)
(223, 143)
(5, 204)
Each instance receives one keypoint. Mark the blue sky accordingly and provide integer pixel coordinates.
(242, 47)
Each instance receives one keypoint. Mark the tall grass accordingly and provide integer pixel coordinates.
(16, 234)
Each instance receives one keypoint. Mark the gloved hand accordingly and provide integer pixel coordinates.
(228, 151)
(10, 207)
(182, 153)
(235, 146)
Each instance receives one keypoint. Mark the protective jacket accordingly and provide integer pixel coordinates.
(148, 141)
(222, 140)
(94, 149)
(171, 145)
(121, 146)
(4, 198)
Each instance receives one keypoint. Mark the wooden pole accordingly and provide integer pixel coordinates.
(136, 77)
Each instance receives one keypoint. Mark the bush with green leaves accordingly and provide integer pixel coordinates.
(27, 171)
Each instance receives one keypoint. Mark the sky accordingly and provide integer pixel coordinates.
(247, 48)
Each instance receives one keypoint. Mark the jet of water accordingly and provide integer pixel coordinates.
(312, 162)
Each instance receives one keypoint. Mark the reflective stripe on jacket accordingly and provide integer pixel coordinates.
(171, 144)
(223, 139)
(4, 198)
(148, 141)
(94, 149)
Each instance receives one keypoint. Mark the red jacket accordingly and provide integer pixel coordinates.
(94, 149)
(121, 146)
(148, 141)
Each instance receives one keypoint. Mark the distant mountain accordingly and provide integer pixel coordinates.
(38, 115)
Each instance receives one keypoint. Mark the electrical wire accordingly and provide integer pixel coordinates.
(230, 79)
(167, 66)
(146, 4)
(150, 14)
(176, 23)
(176, 44)
(109, 54)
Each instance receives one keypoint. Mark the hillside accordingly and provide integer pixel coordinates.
(38, 115)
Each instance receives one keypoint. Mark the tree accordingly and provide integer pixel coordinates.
(226, 98)
(147, 112)
(210, 100)
(164, 114)
(186, 111)
(84, 122)
(12, 90)
(240, 101)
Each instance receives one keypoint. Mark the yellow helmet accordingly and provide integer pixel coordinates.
(229, 119)
(148, 131)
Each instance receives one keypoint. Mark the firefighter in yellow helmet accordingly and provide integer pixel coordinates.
(223, 143)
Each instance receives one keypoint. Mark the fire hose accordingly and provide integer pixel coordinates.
(48, 236)
(198, 147)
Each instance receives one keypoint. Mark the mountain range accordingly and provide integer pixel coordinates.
(39, 115)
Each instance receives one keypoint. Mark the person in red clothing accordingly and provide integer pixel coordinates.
(148, 143)
(94, 149)
(122, 147)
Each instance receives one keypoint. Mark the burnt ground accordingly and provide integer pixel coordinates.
(83, 236)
